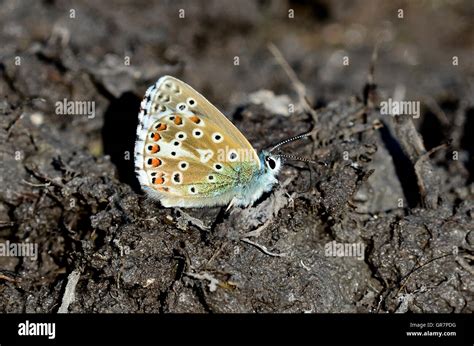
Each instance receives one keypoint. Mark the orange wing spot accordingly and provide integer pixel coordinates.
(195, 119)
(161, 127)
(178, 120)
(159, 180)
(155, 148)
(155, 162)
(156, 137)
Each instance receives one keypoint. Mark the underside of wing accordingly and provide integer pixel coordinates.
(186, 157)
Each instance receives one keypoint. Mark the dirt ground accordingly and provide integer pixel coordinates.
(400, 186)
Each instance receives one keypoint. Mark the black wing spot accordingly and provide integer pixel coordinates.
(177, 177)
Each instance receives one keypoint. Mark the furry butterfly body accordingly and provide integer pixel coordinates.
(188, 154)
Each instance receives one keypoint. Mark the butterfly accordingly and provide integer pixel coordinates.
(188, 154)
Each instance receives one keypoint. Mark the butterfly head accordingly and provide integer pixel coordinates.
(271, 163)
(262, 181)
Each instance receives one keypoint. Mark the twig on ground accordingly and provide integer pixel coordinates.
(13, 124)
(6, 224)
(215, 254)
(412, 145)
(370, 87)
(36, 185)
(7, 278)
(464, 264)
(434, 107)
(428, 199)
(256, 233)
(417, 268)
(263, 248)
(69, 292)
(297, 85)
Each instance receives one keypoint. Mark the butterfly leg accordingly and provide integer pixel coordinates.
(231, 204)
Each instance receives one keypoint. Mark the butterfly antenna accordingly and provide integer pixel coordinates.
(289, 140)
(295, 158)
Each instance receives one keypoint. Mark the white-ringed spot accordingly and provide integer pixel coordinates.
(192, 190)
(217, 137)
(191, 102)
(181, 136)
(197, 133)
(232, 156)
(182, 107)
(177, 178)
(211, 178)
(183, 165)
(205, 155)
(218, 167)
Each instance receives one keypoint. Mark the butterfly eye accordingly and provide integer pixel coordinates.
(271, 163)
(217, 137)
(182, 107)
(191, 102)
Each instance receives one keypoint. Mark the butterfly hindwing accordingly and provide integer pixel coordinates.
(188, 153)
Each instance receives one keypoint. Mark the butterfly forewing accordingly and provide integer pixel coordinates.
(187, 152)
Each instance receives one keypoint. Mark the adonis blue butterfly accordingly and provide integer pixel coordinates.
(188, 154)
